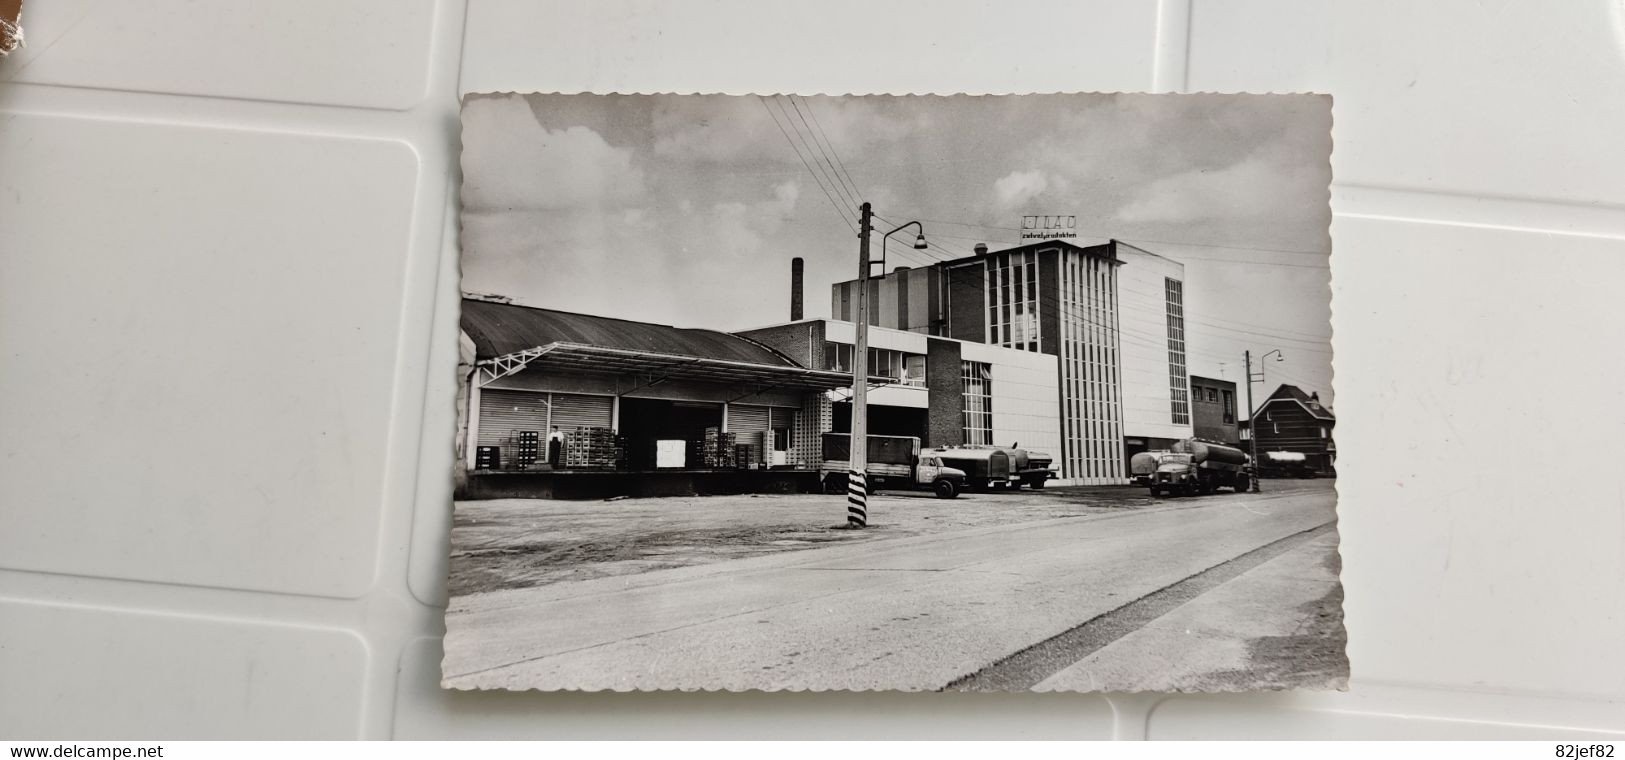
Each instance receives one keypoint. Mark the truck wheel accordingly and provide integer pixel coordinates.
(1241, 484)
(1036, 483)
(1155, 492)
(945, 489)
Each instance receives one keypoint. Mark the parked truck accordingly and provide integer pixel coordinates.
(1194, 466)
(999, 466)
(1142, 467)
(894, 462)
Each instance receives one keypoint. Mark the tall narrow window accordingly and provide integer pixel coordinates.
(1012, 314)
(978, 391)
(1178, 381)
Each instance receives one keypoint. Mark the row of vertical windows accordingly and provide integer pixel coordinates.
(905, 368)
(978, 391)
(1091, 420)
(1012, 303)
(1178, 386)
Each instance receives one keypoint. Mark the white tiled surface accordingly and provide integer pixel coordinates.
(227, 322)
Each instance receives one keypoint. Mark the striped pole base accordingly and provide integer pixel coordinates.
(857, 499)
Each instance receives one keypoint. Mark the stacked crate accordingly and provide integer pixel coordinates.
(528, 448)
(592, 448)
(716, 451)
(745, 456)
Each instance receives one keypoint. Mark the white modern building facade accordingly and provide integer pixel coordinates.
(1111, 315)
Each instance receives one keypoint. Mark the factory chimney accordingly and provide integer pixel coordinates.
(795, 289)
(981, 249)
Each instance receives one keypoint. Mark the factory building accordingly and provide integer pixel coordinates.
(1111, 314)
(943, 391)
(559, 404)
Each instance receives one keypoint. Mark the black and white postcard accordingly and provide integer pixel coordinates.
(923, 393)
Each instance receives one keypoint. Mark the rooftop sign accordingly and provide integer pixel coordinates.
(1049, 227)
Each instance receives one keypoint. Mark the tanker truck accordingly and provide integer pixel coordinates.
(1142, 467)
(1194, 466)
(999, 466)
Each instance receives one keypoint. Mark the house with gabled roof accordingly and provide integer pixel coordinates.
(1294, 421)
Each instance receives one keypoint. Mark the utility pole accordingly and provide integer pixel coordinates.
(1252, 424)
(857, 487)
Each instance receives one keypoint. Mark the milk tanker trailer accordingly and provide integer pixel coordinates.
(1200, 467)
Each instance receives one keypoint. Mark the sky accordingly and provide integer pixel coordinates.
(686, 210)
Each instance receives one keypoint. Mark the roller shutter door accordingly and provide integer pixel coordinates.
(748, 424)
(783, 417)
(505, 414)
(571, 411)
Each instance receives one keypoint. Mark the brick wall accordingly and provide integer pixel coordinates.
(1049, 301)
(967, 303)
(945, 420)
(801, 341)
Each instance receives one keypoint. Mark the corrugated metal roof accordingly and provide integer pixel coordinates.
(498, 329)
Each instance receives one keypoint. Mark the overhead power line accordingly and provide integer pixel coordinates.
(1128, 239)
(1152, 340)
(827, 195)
(833, 152)
(819, 174)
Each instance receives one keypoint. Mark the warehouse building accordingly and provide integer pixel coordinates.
(561, 404)
(1112, 316)
(643, 397)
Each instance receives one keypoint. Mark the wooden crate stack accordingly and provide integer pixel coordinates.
(716, 451)
(592, 448)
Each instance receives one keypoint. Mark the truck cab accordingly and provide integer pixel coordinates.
(1174, 474)
(946, 482)
(1194, 466)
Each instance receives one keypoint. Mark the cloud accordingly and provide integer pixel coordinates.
(737, 232)
(1016, 188)
(1253, 189)
(512, 162)
(730, 130)
(695, 263)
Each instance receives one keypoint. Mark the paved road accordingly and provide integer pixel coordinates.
(1055, 604)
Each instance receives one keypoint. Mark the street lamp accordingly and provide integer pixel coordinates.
(919, 241)
(1252, 418)
(857, 497)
